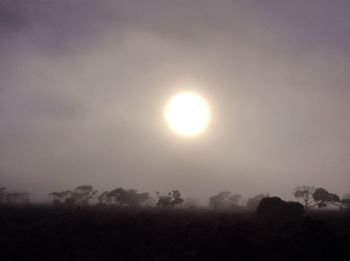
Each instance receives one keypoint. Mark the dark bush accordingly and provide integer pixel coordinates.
(274, 208)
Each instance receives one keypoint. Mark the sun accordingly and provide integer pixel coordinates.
(187, 114)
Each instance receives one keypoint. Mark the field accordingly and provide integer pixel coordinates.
(52, 233)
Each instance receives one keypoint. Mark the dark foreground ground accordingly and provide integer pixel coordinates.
(48, 233)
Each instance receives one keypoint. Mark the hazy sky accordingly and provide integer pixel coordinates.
(83, 84)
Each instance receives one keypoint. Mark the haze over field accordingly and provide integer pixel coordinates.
(83, 85)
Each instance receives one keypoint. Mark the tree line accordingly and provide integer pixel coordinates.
(311, 197)
(13, 197)
(83, 195)
(320, 197)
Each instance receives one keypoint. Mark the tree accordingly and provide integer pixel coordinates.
(83, 194)
(346, 201)
(116, 196)
(17, 198)
(305, 194)
(217, 201)
(323, 198)
(253, 202)
(104, 198)
(131, 197)
(60, 197)
(275, 209)
(190, 203)
(141, 198)
(2, 194)
(234, 199)
(172, 199)
(176, 198)
(55, 198)
(150, 202)
(164, 200)
(13, 197)
(224, 199)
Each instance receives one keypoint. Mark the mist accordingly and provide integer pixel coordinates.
(83, 85)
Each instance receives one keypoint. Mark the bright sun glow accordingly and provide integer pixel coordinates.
(187, 114)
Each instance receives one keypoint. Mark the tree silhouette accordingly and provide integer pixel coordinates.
(234, 199)
(323, 198)
(305, 194)
(150, 202)
(164, 200)
(346, 201)
(116, 196)
(141, 198)
(60, 197)
(104, 198)
(253, 203)
(17, 198)
(274, 208)
(177, 199)
(2, 194)
(171, 200)
(81, 195)
(134, 199)
(122, 197)
(224, 199)
(217, 201)
(13, 197)
(130, 198)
